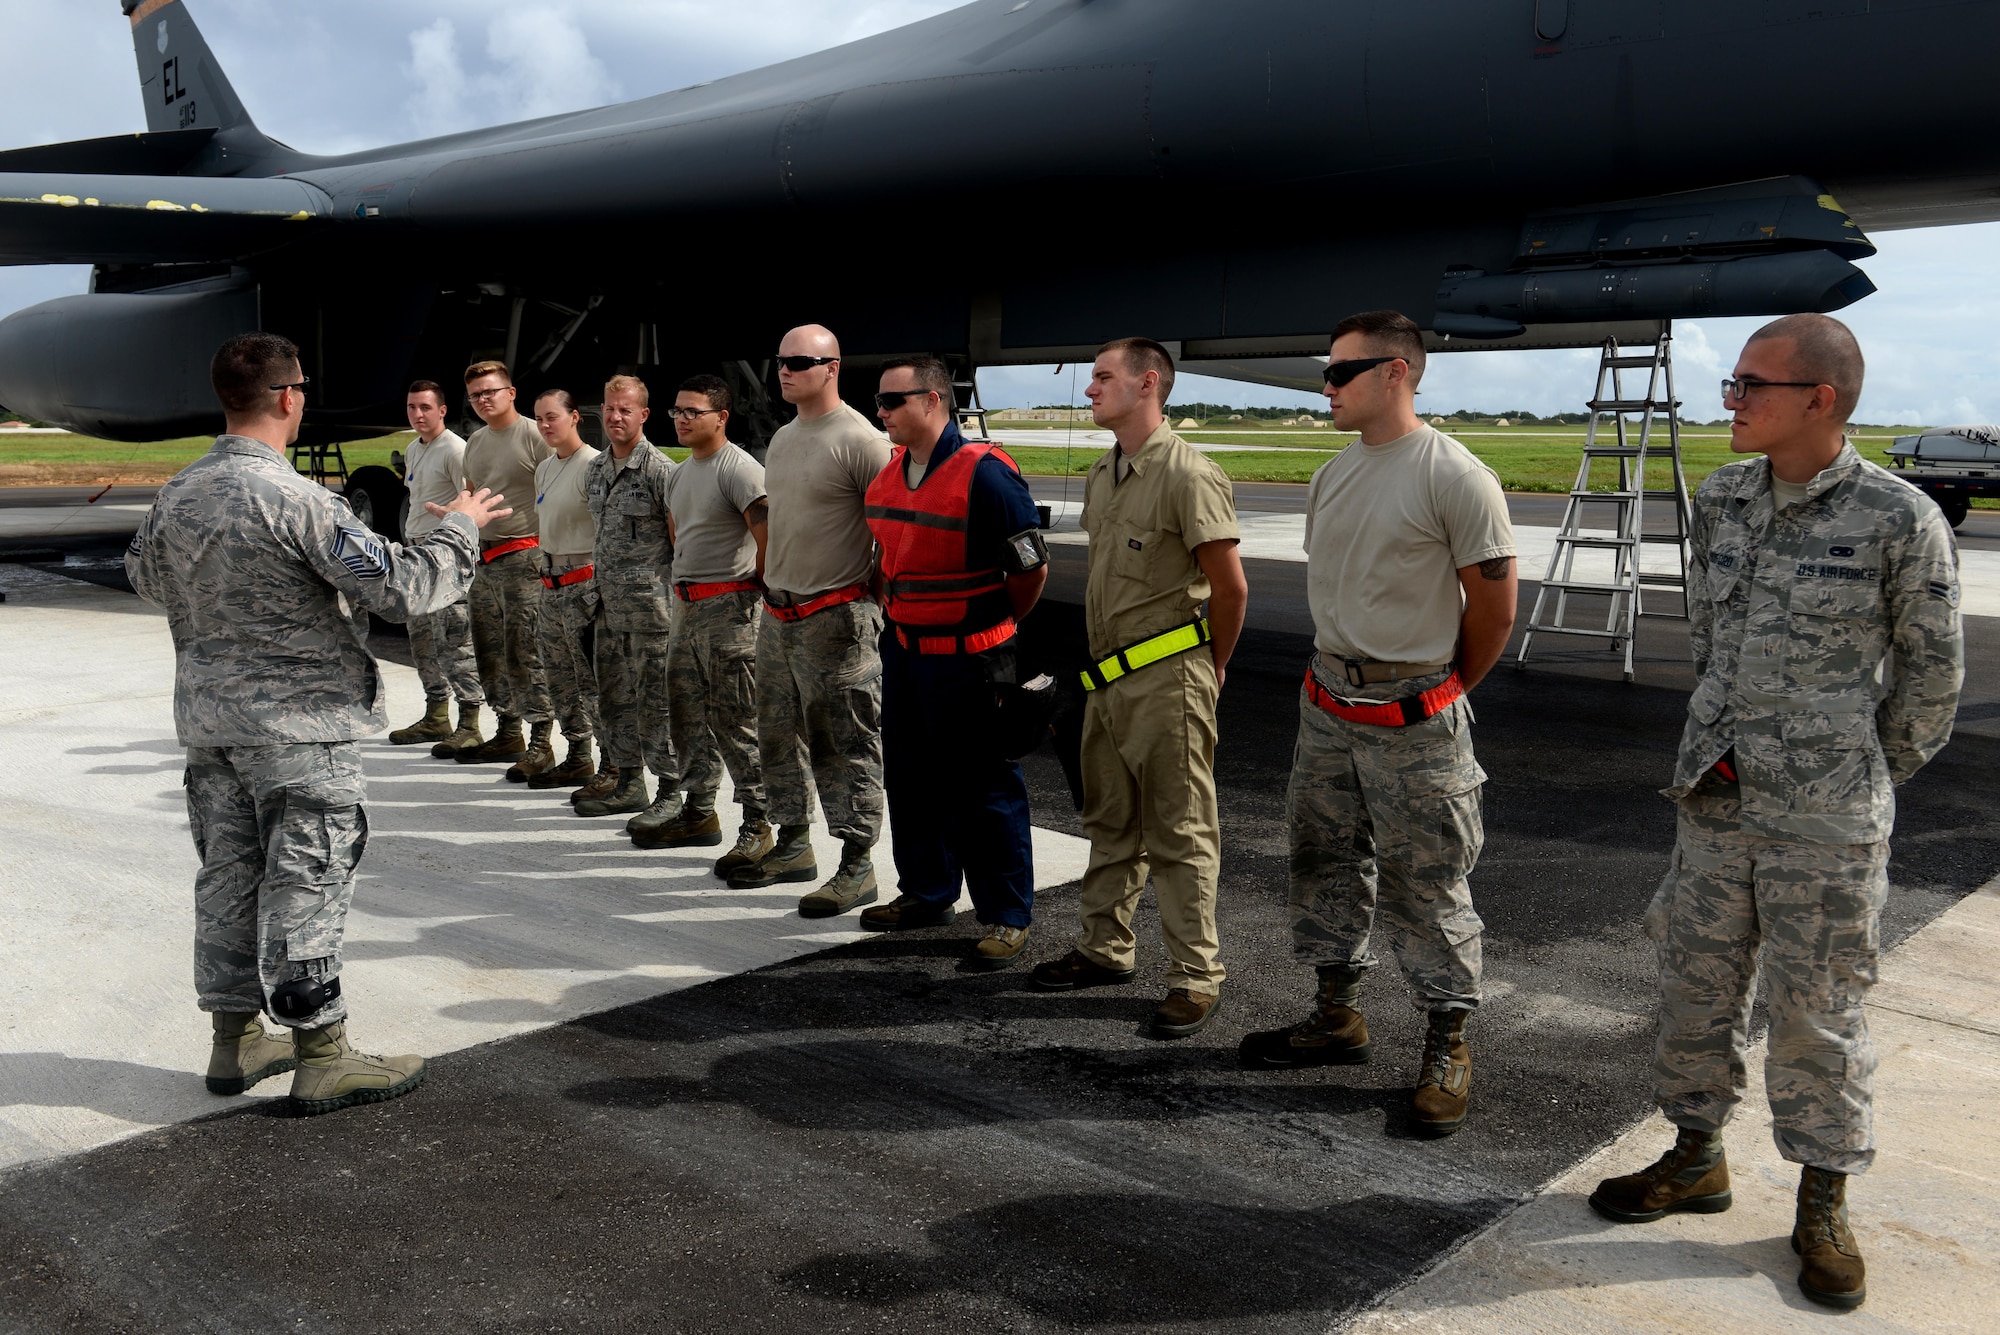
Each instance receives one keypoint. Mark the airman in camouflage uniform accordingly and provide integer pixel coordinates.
(1827, 643)
(255, 567)
(1410, 578)
(634, 559)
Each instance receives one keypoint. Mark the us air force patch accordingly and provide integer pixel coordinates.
(361, 554)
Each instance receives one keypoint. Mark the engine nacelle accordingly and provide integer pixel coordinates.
(123, 366)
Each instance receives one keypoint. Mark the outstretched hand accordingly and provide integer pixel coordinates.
(482, 507)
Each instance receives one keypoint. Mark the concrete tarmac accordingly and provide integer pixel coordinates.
(861, 1137)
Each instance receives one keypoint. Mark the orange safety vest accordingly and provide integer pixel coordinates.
(924, 577)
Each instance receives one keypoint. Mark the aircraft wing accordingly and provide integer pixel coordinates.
(73, 218)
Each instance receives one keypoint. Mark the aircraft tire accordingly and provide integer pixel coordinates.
(379, 499)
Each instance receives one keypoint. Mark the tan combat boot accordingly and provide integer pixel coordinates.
(332, 1075)
(1000, 947)
(1692, 1177)
(694, 827)
(790, 859)
(538, 757)
(753, 840)
(1831, 1272)
(1333, 1035)
(601, 785)
(1445, 1087)
(464, 738)
(628, 796)
(506, 746)
(663, 811)
(434, 726)
(244, 1052)
(851, 885)
(575, 770)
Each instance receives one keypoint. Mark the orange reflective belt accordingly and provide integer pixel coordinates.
(498, 550)
(568, 577)
(800, 611)
(1393, 713)
(694, 593)
(976, 643)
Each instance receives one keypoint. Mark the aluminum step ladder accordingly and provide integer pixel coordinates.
(1624, 466)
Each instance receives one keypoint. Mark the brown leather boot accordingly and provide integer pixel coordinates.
(1445, 1087)
(1831, 1272)
(467, 735)
(575, 770)
(434, 726)
(754, 839)
(1076, 970)
(506, 746)
(627, 797)
(600, 785)
(1692, 1177)
(1184, 1013)
(539, 756)
(1333, 1035)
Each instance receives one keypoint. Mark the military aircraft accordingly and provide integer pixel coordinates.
(1015, 181)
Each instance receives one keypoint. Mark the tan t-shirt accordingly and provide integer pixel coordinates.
(1388, 528)
(1144, 578)
(504, 461)
(816, 475)
(435, 473)
(707, 498)
(562, 507)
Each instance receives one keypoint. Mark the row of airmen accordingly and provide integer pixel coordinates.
(1826, 639)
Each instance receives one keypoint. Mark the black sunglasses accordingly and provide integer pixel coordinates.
(690, 414)
(1342, 373)
(1740, 387)
(298, 384)
(891, 399)
(805, 363)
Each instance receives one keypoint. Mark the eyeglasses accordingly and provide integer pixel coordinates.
(299, 384)
(1739, 387)
(690, 414)
(891, 399)
(805, 363)
(1342, 373)
(481, 395)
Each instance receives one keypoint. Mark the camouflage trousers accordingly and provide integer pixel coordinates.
(1807, 916)
(819, 718)
(1385, 828)
(567, 629)
(632, 702)
(1149, 806)
(441, 644)
(279, 830)
(506, 612)
(712, 693)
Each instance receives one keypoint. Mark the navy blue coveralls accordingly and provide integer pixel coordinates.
(958, 808)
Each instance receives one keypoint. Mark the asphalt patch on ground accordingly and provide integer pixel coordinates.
(873, 1138)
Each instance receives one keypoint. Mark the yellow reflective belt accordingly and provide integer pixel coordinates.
(1146, 653)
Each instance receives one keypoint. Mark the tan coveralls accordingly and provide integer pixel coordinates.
(1149, 737)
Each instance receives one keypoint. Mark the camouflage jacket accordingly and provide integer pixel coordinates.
(634, 554)
(1827, 642)
(256, 567)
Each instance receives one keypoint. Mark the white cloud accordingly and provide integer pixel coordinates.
(541, 65)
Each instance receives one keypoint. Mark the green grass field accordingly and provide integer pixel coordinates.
(1525, 459)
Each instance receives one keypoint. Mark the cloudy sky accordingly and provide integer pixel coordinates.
(345, 76)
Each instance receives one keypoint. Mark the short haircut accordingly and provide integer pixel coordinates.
(480, 370)
(931, 375)
(711, 387)
(426, 387)
(247, 366)
(1142, 355)
(1825, 352)
(632, 383)
(1389, 334)
(563, 396)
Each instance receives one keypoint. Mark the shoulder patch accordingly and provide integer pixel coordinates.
(360, 553)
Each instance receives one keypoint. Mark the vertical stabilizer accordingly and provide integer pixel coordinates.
(183, 84)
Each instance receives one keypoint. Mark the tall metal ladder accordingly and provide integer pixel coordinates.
(1624, 447)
